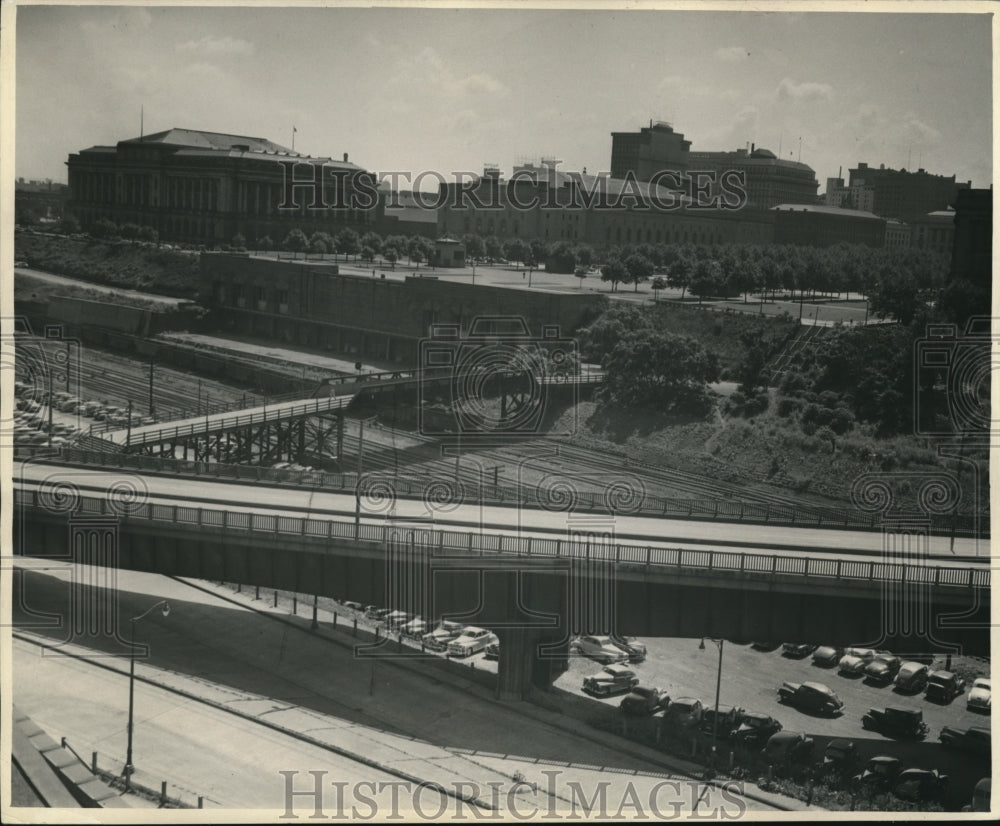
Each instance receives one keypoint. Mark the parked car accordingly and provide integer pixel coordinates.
(395, 619)
(492, 651)
(920, 785)
(415, 628)
(601, 649)
(724, 724)
(633, 648)
(912, 677)
(788, 747)
(472, 640)
(879, 774)
(644, 701)
(866, 654)
(373, 612)
(814, 697)
(354, 606)
(851, 665)
(684, 713)
(979, 695)
(944, 686)
(896, 722)
(438, 639)
(840, 759)
(612, 679)
(797, 649)
(976, 740)
(764, 646)
(68, 405)
(755, 728)
(90, 408)
(882, 669)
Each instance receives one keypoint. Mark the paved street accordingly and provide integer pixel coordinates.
(239, 660)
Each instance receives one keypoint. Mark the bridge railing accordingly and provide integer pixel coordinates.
(438, 542)
(751, 513)
(144, 435)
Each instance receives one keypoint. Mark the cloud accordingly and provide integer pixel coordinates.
(789, 89)
(428, 70)
(732, 54)
(209, 45)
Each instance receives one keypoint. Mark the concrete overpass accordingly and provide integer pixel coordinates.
(534, 584)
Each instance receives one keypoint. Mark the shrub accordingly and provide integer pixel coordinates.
(788, 406)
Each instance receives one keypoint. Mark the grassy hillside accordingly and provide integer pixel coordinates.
(117, 264)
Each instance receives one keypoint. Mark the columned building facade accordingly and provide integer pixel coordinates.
(207, 187)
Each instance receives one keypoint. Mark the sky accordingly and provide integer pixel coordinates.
(451, 89)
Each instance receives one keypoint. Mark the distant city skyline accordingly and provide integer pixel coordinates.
(449, 90)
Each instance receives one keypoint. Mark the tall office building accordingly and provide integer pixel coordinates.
(896, 193)
(650, 150)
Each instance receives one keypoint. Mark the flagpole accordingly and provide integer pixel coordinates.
(294, 130)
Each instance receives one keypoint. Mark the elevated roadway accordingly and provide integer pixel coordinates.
(536, 577)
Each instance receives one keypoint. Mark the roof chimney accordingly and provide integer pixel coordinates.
(345, 157)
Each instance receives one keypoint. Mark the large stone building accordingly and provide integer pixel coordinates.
(896, 193)
(822, 226)
(542, 203)
(207, 187)
(934, 232)
(770, 180)
(972, 252)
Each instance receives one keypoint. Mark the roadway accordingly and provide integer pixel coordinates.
(222, 671)
(508, 521)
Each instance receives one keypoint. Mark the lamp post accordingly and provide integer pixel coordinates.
(718, 685)
(129, 766)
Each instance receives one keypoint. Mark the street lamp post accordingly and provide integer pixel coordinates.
(718, 686)
(129, 766)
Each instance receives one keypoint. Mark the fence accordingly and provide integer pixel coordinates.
(443, 543)
(468, 493)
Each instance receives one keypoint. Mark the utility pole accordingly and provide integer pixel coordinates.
(67, 366)
(151, 409)
(128, 431)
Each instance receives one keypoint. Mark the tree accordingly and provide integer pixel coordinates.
(320, 243)
(238, 241)
(581, 273)
(659, 283)
(538, 251)
(615, 272)
(679, 273)
(639, 268)
(601, 336)
(265, 243)
(706, 279)
(561, 257)
(584, 255)
(372, 240)
(515, 250)
(347, 242)
(494, 249)
(391, 255)
(296, 242)
(417, 256)
(148, 234)
(129, 231)
(367, 254)
(750, 369)
(475, 249)
(69, 225)
(659, 369)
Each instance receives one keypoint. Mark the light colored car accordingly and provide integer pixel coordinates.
(612, 679)
(472, 641)
(849, 664)
(415, 628)
(633, 648)
(866, 654)
(601, 649)
(684, 713)
(979, 695)
(438, 639)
